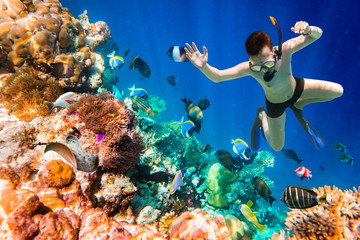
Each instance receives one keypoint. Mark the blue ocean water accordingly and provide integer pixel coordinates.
(149, 28)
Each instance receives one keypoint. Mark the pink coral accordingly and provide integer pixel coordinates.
(198, 224)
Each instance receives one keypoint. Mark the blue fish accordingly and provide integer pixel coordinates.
(187, 128)
(138, 92)
(241, 149)
(115, 62)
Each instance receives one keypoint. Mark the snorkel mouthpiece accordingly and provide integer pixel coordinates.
(270, 75)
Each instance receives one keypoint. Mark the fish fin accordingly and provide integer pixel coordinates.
(255, 131)
(302, 177)
(261, 227)
(110, 55)
(271, 200)
(50, 105)
(299, 161)
(197, 127)
(316, 139)
(322, 198)
(249, 203)
(182, 120)
(132, 88)
(153, 113)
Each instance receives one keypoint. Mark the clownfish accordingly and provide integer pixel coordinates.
(177, 54)
(115, 62)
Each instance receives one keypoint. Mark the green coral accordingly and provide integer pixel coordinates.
(218, 184)
(110, 79)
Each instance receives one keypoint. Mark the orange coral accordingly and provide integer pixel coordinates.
(337, 219)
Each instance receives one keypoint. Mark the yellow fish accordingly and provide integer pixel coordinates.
(250, 216)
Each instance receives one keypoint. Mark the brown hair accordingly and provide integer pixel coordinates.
(257, 41)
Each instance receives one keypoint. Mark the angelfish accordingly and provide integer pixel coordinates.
(175, 183)
(241, 149)
(115, 62)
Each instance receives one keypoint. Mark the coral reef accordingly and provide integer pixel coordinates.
(339, 218)
(198, 224)
(238, 230)
(219, 184)
(121, 145)
(23, 94)
(45, 36)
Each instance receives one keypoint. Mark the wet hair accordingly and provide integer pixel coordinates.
(257, 41)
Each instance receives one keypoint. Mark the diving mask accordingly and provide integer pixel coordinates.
(267, 64)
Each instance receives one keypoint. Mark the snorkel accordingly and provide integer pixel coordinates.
(270, 75)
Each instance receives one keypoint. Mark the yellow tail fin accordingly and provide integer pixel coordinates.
(322, 198)
(261, 228)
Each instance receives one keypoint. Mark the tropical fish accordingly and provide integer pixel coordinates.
(262, 189)
(187, 128)
(225, 159)
(241, 149)
(346, 159)
(62, 70)
(303, 172)
(159, 176)
(321, 167)
(250, 216)
(126, 52)
(115, 62)
(291, 154)
(139, 102)
(340, 147)
(205, 148)
(65, 100)
(204, 103)
(177, 54)
(175, 183)
(194, 113)
(138, 92)
(117, 93)
(106, 116)
(171, 80)
(301, 197)
(141, 65)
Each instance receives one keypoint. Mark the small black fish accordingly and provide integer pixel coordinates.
(206, 148)
(126, 52)
(194, 113)
(262, 189)
(62, 70)
(291, 154)
(225, 159)
(159, 176)
(321, 167)
(141, 65)
(301, 197)
(171, 80)
(204, 103)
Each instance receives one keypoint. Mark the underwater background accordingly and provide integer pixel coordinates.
(114, 145)
(149, 28)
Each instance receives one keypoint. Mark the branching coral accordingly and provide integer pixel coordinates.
(121, 145)
(23, 94)
(337, 219)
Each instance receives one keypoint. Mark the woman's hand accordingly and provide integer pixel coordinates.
(301, 27)
(192, 53)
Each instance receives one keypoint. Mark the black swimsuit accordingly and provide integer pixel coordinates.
(275, 110)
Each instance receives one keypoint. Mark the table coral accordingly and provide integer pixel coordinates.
(337, 219)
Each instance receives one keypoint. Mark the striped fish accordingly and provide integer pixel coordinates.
(301, 197)
(143, 104)
(250, 216)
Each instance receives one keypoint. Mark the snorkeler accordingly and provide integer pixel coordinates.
(271, 67)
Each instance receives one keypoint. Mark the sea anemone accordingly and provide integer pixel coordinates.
(23, 94)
